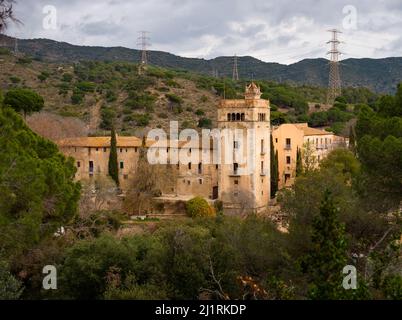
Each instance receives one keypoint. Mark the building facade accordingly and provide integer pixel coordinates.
(237, 170)
(290, 138)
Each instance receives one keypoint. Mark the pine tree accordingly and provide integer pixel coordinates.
(274, 170)
(328, 256)
(113, 165)
(299, 163)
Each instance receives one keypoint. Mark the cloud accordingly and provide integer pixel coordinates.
(277, 31)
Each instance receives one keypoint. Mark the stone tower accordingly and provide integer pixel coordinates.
(244, 175)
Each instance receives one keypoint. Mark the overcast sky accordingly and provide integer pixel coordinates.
(284, 31)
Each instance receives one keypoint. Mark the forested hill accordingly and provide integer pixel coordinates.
(380, 75)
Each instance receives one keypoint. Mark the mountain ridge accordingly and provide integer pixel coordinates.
(380, 75)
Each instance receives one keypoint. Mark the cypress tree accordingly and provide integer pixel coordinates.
(352, 140)
(274, 170)
(113, 165)
(299, 163)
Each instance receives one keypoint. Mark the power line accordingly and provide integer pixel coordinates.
(235, 76)
(144, 42)
(334, 85)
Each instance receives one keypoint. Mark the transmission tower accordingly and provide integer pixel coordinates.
(235, 76)
(144, 43)
(334, 86)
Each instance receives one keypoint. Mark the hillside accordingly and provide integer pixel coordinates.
(379, 75)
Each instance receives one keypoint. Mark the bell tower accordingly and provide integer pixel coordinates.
(244, 175)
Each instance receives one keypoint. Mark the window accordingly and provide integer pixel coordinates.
(216, 167)
(97, 149)
(188, 182)
(104, 149)
(233, 117)
(235, 144)
(121, 150)
(135, 149)
(200, 181)
(189, 166)
(75, 149)
(200, 168)
(235, 168)
(288, 143)
(276, 140)
(91, 167)
(287, 177)
(262, 167)
(262, 146)
(121, 165)
(78, 164)
(243, 117)
(236, 182)
(229, 117)
(238, 117)
(288, 160)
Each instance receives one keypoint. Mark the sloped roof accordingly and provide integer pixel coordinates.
(99, 142)
(308, 131)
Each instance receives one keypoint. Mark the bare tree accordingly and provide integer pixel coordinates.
(6, 14)
(55, 127)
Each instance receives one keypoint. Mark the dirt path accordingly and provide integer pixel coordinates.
(95, 116)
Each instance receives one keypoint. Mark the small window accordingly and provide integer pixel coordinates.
(236, 182)
(121, 165)
(135, 149)
(216, 167)
(200, 168)
(229, 117)
(97, 149)
(104, 149)
(243, 117)
(121, 150)
(276, 140)
(189, 182)
(235, 144)
(78, 164)
(200, 181)
(189, 166)
(288, 160)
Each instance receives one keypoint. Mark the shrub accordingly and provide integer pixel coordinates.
(67, 77)
(15, 79)
(199, 207)
(205, 123)
(174, 98)
(200, 112)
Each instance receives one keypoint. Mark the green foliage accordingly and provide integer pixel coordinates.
(113, 167)
(86, 86)
(67, 77)
(143, 101)
(24, 60)
(199, 207)
(274, 169)
(10, 287)
(108, 116)
(200, 112)
(5, 52)
(142, 120)
(15, 79)
(43, 76)
(174, 98)
(328, 256)
(299, 163)
(37, 192)
(24, 100)
(205, 123)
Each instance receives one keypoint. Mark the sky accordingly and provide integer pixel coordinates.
(284, 31)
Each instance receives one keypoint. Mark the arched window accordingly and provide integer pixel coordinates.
(229, 117)
(238, 117)
(233, 117)
(242, 117)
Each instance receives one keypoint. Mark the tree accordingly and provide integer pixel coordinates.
(274, 170)
(299, 163)
(24, 100)
(328, 256)
(10, 287)
(309, 159)
(199, 207)
(352, 140)
(113, 163)
(6, 14)
(37, 189)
